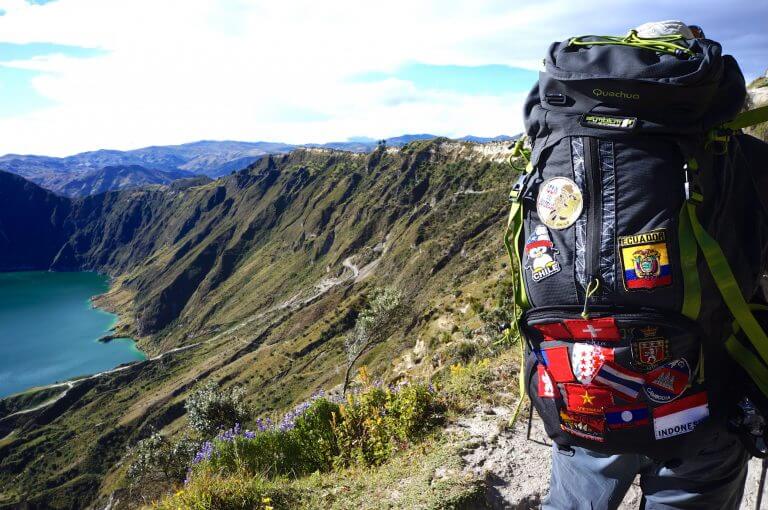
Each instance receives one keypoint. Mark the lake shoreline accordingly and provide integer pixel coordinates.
(57, 348)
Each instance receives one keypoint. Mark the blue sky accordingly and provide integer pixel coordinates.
(86, 74)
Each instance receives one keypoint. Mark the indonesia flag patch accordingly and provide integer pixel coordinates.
(603, 329)
(625, 383)
(626, 417)
(681, 416)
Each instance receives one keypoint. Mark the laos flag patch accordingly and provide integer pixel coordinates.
(645, 260)
(626, 417)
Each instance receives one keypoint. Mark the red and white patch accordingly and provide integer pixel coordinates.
(546, 387)
(557, 363)
(553, 331)
(586, 360)
(603, 329)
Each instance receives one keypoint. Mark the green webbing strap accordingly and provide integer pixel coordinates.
(747, 119)
(689, 254)
(744, 357)
(512, 235)
(729, 288)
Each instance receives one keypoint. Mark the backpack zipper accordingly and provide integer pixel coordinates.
(594, 185)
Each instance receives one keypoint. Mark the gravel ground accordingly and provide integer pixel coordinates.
(516, 469)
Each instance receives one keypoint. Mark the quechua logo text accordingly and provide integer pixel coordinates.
(618, 94)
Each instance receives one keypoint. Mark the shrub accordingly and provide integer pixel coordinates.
(467, 384)
(303, 442)
(376, 422)
(211, 408)
(156, 459)
(240, 492)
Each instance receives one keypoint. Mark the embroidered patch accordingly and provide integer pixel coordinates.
(557, 363)
(587, 399)
(559, 202)
(540, 253)
(680, 417)
(651, 350)
(608, 122)
(623, 382)
(626, 417)
(667, 382)
(546, 387)
(645, 260)
(582, 425)
(553, 331)
(586, 360)
(593, 329)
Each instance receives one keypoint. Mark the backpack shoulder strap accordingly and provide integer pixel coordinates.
(747, 119)
(728, 287)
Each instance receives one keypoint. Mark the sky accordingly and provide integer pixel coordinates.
(79, 75)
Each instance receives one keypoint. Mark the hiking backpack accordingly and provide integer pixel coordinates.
(639, 239)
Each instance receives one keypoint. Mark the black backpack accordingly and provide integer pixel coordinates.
(639, 239)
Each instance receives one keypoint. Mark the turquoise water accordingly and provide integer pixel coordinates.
(49, 331)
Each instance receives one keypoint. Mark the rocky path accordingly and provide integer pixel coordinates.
(516, 470)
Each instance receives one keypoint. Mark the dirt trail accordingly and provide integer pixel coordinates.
(516, 470)
(295, 302)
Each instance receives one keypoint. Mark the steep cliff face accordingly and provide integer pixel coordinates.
(31, 221)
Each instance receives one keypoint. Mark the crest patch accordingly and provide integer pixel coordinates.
(583, 425)
(540, 253)
(559, 202)
(645, 260)
(651, 350)
(668, 382)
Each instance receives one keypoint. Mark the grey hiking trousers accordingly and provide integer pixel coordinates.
(713, 478)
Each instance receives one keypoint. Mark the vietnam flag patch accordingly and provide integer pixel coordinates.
(587, 399)
(645, 260)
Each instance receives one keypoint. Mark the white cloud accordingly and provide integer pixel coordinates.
(176, 71)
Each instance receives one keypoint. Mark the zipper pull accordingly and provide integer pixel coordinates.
(593, 286)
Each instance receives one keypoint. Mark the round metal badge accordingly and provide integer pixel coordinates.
(559, 203)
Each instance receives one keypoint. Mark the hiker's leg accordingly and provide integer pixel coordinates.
(714, 478)
(589, 480)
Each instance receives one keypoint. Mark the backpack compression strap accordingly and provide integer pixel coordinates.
(734, 299)
(755, 366)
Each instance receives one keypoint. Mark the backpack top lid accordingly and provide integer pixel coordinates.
(670, 82)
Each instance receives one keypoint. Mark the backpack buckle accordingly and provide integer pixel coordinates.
(518, 187)
(693, 192)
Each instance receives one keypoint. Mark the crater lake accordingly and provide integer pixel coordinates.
(49, 330)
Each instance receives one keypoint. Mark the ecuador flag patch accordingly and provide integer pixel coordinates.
(645, 260)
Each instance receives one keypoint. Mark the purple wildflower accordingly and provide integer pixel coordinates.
(205, 452)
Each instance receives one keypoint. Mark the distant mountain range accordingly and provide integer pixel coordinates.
(99, 171)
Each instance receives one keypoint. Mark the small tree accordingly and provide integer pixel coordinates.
(211, 408)
(372, 325)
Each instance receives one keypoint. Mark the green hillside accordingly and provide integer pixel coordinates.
(255, 280)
